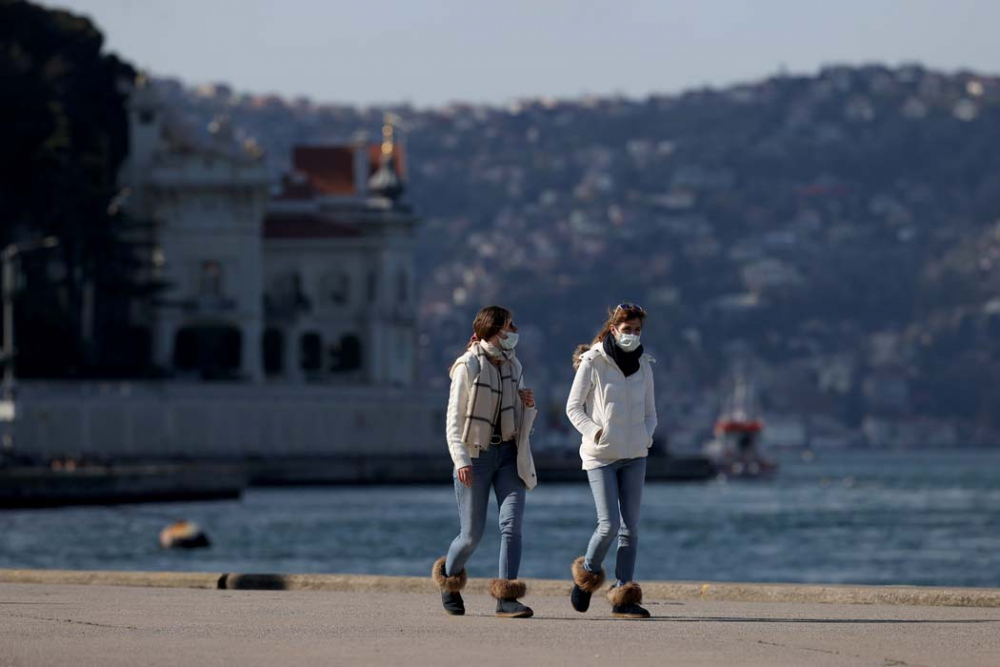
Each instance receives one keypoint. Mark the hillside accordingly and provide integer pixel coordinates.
(838, 235)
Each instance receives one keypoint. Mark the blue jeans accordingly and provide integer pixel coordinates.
(496, 467)
(617, 489)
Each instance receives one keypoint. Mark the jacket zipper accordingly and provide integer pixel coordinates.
(628, 402)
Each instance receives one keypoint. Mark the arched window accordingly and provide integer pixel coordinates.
(350, 353)
(346, 355)
(273, 351)
(213, 351)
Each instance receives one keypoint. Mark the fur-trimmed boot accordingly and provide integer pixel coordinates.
(625, 601)
(585, 583)
(506, 592)
(451, 598)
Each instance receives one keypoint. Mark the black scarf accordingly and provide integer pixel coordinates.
(628, 362)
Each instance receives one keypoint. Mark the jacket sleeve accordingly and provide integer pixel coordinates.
(576, 405)
(458, 399)
(650, 404)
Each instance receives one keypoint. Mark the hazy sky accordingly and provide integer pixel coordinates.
(430, 52)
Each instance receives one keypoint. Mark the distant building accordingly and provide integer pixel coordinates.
(311, 281)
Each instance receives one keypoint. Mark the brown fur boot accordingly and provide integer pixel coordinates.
(625, 601)
(506, 592)
(452, 584)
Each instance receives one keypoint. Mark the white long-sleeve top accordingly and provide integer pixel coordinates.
(616, 415)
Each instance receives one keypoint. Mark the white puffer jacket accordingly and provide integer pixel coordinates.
(620, 409)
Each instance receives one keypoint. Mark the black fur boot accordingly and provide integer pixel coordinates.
(513, 609)
(453, 603)
(506, 592)
(451, 598)
(585, 583)
(625, 601)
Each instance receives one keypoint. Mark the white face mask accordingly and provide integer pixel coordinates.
(510, 342)
(627, 342)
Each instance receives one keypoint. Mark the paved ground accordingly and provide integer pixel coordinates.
(109, 625)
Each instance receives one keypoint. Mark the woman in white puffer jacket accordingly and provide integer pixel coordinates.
(611, 404)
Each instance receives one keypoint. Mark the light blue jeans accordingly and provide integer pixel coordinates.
(497, 468)
(617, 489)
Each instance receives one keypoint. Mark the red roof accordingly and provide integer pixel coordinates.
(306, 227)
(329, 170)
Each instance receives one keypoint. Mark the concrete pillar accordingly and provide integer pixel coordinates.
(251, 359)
(163, 343)
(290, 366)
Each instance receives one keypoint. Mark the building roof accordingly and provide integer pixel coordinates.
(327, 170)
(306, 226)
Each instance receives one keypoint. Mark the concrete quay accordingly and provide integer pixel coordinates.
(99, 624)
(674, 590)
(56, 617)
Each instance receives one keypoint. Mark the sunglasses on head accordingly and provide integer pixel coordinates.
(626, 306)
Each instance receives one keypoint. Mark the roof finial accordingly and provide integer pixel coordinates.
(385, 182)
(387, 135)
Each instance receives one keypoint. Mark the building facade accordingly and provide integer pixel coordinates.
(308, 281)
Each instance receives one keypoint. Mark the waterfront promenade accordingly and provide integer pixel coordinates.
(188, 620)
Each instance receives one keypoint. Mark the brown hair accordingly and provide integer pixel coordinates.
(620, 314)
(489, 321)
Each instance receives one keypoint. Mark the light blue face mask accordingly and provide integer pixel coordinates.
(510, 342)
(627, 342)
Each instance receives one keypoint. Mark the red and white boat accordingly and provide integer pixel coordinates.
(735, 447)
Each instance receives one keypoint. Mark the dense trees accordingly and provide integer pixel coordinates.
(64, 132)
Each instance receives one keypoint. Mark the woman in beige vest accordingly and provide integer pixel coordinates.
(489, 417)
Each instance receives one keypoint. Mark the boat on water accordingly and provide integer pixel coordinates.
(735, 448)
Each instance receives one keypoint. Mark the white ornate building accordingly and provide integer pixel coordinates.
(301, 295)
(311, 281)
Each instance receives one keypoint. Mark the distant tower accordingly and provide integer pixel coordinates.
(145, 118)
(385, 182)
(145, 137)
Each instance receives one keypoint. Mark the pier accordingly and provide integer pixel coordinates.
(44, 486)
(122, 618)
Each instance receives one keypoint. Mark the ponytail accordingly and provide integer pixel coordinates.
(578, 354)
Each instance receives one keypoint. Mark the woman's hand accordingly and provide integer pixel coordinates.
(465, 475)
(527, 396)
